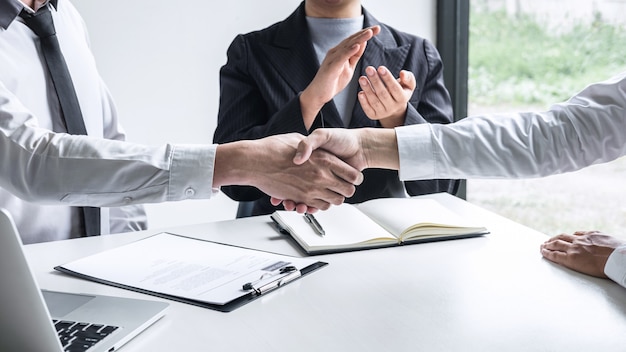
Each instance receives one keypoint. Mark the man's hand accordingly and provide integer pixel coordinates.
(361, 148)
(267, 164)
(335, 73)
(384, 98)
(338, 141)
(344, 143)
(584, 251)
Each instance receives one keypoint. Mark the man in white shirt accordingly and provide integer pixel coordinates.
(41, 166)
(587, 129)
(24, 77)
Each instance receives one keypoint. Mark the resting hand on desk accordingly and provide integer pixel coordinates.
(584, 251)
(267, 165)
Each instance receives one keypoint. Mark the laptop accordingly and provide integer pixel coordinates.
(39, 320)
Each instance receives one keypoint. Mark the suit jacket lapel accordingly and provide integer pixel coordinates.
(381, 50)
(291, 53)
(294, 58)
(295, 61)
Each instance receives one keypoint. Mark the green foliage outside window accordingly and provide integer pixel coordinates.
(519, 61)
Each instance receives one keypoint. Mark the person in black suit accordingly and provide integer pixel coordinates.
(273, 83)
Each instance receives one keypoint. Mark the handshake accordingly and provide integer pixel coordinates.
(306, 173)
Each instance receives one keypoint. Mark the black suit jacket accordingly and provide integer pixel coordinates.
(267, 69)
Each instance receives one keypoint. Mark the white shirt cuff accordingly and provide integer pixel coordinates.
(191, 174)
(615, 267)
(416, 153)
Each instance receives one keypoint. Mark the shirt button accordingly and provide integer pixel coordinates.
(190, 192)
(128, 199)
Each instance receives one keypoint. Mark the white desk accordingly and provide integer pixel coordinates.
(494, 293)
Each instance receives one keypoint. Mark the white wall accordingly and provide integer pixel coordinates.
(161, 61)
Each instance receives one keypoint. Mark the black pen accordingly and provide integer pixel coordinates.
(314, 224)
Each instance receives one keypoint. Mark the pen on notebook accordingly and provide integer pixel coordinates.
(317, 227)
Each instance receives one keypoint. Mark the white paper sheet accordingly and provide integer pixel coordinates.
(186, 267)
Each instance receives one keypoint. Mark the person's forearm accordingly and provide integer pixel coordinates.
(232, 164)
(380, 147)
(99, 172)
(309, 108)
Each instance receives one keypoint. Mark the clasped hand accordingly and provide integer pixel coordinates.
(343, 144)
(316, 183)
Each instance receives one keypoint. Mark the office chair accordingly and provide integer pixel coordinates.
(244, 209)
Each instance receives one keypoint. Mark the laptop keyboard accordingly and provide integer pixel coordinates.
(77, 336)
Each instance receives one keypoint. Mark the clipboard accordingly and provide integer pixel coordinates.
(138, 265)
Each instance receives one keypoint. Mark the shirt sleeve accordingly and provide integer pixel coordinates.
(587, 129)
(416, 152)
(615, 267)
(55, 168)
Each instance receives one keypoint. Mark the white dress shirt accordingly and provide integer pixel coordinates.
(43, 167)
(587, 129)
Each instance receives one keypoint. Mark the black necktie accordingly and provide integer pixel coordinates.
(41, 23)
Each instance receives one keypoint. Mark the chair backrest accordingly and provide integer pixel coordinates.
(244, 209)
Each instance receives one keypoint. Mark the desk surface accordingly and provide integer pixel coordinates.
(493, 293)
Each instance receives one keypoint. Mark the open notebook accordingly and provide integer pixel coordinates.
(36, 320)
(377, 223)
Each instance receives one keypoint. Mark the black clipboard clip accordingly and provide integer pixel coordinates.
(279, 227)
(284, 276)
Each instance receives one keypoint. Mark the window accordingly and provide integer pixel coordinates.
(525, 55)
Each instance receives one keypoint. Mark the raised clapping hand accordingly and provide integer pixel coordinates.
(385, 98)
(334, 74)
